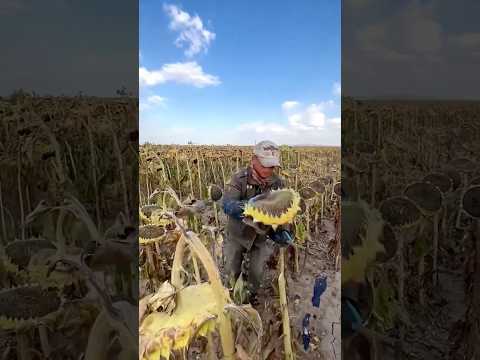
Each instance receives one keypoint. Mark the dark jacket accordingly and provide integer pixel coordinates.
(242, 187)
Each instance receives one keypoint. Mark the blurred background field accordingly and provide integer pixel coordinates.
(412, 166)
(68, 224)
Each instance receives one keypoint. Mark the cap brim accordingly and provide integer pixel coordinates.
(269, 162)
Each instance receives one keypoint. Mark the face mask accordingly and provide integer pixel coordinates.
(258, 179)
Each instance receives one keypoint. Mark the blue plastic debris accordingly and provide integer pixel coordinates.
(356, 317)
(306, 332)
(318, 290)
(351, 317)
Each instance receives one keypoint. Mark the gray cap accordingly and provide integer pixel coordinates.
(268, 153)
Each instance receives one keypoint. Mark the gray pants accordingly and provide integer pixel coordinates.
(258, 254)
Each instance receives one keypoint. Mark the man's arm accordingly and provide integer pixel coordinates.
(232, 203)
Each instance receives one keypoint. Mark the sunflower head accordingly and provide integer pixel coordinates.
(276, 207)
(27, 304)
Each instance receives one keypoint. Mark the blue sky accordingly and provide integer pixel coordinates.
(224, 72)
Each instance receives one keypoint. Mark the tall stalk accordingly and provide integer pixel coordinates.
(435, 248)
(197, 248)
(20, 196)
(121, 170)
(177, 175)
(190, 179)
(93, 164)
(282, 286)
(2, 218)
(223, 173)
(199, 177)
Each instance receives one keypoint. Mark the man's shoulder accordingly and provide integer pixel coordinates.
(277, 177)
(278, 181)
(239, 176)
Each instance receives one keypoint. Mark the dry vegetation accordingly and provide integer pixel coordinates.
(67, 227)
(410, 175)
(181, 238)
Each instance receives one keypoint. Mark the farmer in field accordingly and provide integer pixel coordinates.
(242, 237)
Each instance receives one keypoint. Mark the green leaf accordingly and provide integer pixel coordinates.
(385, 306)
(240, 291)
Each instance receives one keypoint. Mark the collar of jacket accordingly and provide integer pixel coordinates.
(252, 179)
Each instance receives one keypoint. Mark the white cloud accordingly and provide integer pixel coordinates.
(306, 126)
(156, 100)
(151, 102)
(337, 122)
(310, 125)
(337, 89)
(402, 37)
(289, 105)
(263, 127)
(191, 30)
(424, 33)
(326, 105)
(312, 118)
(183, 73)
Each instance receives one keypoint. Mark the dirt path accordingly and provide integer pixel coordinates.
(429, 339)
(324, 324)
(430, 334)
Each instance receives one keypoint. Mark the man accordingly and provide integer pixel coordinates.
(241, 236)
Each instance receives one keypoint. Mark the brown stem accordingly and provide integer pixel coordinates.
(435, 248)
(2, 218)
(20, 196)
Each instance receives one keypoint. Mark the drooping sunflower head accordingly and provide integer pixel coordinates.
(215, 192)
(21, 251)
(426, 196)
(276, 207)
(195, 314)
(443, 182)
(27, 304)
(471, 202)
(400, 212)
(361, 240)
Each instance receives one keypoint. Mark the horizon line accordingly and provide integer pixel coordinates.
(248, 145)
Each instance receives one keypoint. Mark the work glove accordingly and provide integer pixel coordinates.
(282, 238)
(234, 208)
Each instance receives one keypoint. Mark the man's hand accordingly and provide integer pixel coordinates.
(282, 237)
(259, 227)
(234, 208)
